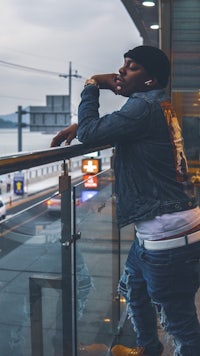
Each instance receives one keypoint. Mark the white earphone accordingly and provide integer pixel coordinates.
(148, 82)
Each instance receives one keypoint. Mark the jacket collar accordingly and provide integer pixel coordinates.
(152, 95)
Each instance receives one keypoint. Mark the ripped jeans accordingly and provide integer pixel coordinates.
(165, 282)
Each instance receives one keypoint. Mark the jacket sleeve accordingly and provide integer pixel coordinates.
(127, 123)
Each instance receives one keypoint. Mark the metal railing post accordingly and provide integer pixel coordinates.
(36, 284)
(66, 251)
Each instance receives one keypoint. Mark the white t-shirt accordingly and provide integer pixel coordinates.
(168, 225)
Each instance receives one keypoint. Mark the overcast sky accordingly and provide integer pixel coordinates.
(47, 35)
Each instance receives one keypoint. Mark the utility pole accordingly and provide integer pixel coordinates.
(19, 126)
(70, 90)
(70, 75)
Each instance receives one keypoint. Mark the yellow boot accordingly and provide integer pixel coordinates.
(120, 350)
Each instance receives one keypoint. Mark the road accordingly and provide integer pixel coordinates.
(29, 214)
(20, 226)
(25, 217)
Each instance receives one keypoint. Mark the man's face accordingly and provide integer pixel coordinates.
(131, 78)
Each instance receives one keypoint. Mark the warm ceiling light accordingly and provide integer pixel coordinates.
(154, 27)
(148, 3)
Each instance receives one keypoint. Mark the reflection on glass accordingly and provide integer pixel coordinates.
(97, 279)
(29, 248)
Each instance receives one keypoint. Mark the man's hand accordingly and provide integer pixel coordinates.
(106, 81)
(66, 135)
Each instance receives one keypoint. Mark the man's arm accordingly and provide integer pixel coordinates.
(103, 81)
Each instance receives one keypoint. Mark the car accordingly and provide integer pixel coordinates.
(54, 204)
(2, 210)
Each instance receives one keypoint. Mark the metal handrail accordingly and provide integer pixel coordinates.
(25, 160)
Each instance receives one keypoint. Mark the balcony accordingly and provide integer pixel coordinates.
(59, 268)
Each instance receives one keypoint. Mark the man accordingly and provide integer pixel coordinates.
(153, 192)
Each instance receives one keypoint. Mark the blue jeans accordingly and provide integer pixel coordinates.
(166, 282)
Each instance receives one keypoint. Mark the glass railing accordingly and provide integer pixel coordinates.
(30, 282)
(60, 266)
(96, 263)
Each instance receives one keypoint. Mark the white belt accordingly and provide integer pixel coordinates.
(171, 243)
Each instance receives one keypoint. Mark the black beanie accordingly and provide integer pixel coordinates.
(154, 61)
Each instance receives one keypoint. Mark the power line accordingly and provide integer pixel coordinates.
(43, 71)
(17, 97)
(36, 70)
(26, 68)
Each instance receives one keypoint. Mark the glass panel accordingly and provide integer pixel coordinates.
(30, 258)
(97, 264)
(127, 235)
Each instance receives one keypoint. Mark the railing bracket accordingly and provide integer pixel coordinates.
(75, 237)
